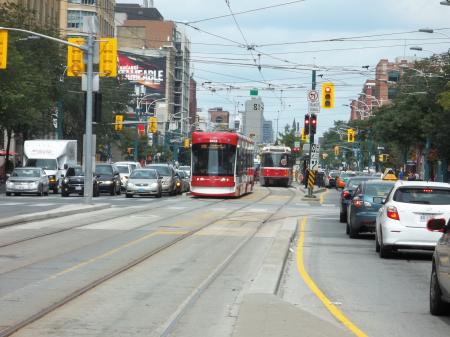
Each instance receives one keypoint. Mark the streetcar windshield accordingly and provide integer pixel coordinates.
(213, 159)
(275, 160)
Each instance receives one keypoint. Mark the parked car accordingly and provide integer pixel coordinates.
(185, 185)
(108, 178)
(168, 177)
(440, 270)
(73, 182)
(363, 208)
(342, 179)
(402, 221)
(27, 180)
(144, 182)
(347, 195)
(124, 172)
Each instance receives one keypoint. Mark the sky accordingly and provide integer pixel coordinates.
(275, 49)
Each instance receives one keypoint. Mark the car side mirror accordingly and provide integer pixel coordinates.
(62, 175)
(436, 225)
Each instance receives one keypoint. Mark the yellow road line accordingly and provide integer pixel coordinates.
(322, 196)
(338, 314)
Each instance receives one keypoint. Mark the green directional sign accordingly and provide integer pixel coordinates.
(254, 92)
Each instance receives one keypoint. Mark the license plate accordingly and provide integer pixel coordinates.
(78, 188)
(425, 217)
(141, 191)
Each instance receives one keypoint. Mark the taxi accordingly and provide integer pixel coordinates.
(389, 174)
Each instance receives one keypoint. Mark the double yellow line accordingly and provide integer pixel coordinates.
(338, 314)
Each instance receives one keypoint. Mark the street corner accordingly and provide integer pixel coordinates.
(266, 315)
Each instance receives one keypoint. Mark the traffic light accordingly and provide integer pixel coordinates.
(383, 158)
(108, 57)
(3, 48)
(75, 65)
(153, 126)
(119, 123)
(306, 126)
(350, 135)
(336, 150)
(328, 95)
(304, 135)
(186, 143)
(313, 122)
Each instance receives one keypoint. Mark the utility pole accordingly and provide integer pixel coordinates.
(311, 136)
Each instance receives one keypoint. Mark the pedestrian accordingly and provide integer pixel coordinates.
(401, 174)
(411, 176)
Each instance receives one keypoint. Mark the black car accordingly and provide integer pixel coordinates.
(440, 270)
(108, 178)
(73, 182)
(347, 194)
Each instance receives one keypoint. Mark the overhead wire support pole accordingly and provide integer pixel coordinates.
(89, 49)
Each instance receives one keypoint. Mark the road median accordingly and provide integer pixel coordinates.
(51, 214)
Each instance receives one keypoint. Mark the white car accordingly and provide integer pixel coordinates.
(125, 171)
(402, 221)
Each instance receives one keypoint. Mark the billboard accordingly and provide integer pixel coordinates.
(145, 71)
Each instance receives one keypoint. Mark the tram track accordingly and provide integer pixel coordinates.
(108, 276)
(91, 222)
(168, 326)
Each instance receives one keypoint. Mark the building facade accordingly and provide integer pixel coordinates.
(268, 132)
(253, 119)
(47, 11)
(218, 118)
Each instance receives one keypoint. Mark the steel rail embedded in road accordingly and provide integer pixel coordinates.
(167, 327)
(133, 211)
(75, 294)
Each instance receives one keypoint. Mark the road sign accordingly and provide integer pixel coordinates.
(315, 151)
(313, 96)
(314, 107)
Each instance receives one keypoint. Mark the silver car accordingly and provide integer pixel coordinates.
(27, 180)
(144, 182)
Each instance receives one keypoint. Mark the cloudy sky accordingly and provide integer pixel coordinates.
(290, 38)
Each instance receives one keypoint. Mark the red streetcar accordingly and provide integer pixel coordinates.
(276, 166)
(222, 164)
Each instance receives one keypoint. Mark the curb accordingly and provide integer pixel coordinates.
(18, 219)
(269, 275)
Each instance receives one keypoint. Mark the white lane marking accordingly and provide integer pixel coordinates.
(43, 204)
(120, 225)
(11, 203)
(329, 205)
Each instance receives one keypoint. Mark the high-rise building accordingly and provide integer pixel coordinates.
(381, 90)
(143, 30)
(267, 132)
(253, 119)
(47, 11)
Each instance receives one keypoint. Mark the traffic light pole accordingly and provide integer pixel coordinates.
(89, 49)
(311, 135)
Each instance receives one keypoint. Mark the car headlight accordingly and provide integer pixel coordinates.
(34, 184)
(66, 180)
(9, 183)
(130, 184)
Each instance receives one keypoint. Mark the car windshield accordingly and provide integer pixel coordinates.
(378, 190)
(185, 168)
(74, 171)
(45, 164)
(423, 195)
(163, 170)
(103, 169)
(144, 174)
(123, 168)
(182, 174)
(26, 173)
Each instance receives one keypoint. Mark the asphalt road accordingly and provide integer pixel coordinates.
(380, 297)
(210, 283)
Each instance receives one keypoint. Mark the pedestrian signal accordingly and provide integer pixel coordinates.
(328, 95)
